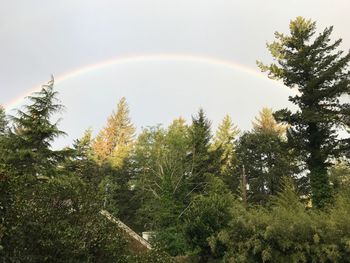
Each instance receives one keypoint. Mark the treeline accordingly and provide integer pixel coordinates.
(50, 200)
(276, 193)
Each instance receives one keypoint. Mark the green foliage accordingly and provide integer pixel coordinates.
(267, 161)
(206, 217)
(172, 166)
(200, 159)
(179, 181)
(154, 256)
(3, 175)
(60, 222)
(3, 120)
(33, 134)
(339, 175)
(287, 232)
(108, 188)
(46, 217)
(266, 123)
(112, 149)
(171, 239)
(224, 142)
(80, 160)
(114, 142)
(160, 183)
(313, 65)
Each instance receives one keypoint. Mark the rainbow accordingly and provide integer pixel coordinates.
(187, 58)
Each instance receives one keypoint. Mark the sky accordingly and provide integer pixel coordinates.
(168, 58)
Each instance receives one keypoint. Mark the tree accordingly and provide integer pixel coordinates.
(177, 138)
(200, 159)
(83, 146)
(101, 178)
(114, 141)
(207, 215)
(313, 65)
(288, 232)
(224, 141)
(339, 175)
(149, 149)
(61, 222)
(49, 218)
(266, 159)
(266, 122)
(3, 120)
(3, 176)
(29, 151)
(80, 161)
(160, 170)
(112, 148)
(161, 183)
(168, 204)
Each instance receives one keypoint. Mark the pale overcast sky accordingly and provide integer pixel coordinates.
(39, 38)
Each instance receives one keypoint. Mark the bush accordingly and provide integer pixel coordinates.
(58, 220)
(153, 256)
(206, 217)
(287, 232)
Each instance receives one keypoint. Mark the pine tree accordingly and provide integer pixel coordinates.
(201, 160)
(113, 147)
(33, 134)
(100, 147)
(83, 146)
(266, 122)
(265, 157)
(313, 65)
(81, 160)
(224, 141)
(114, 142)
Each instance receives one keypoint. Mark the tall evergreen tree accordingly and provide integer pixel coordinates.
(114, 141)
(54, 219)
(34, 133)
(83, 146)
(113, 147)
(319, 71)
(224, 140)
(265, 157)
(200, 159)
(81, 160)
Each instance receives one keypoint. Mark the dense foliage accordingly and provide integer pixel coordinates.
(313, 65)
(287, 232)
(276, 193)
